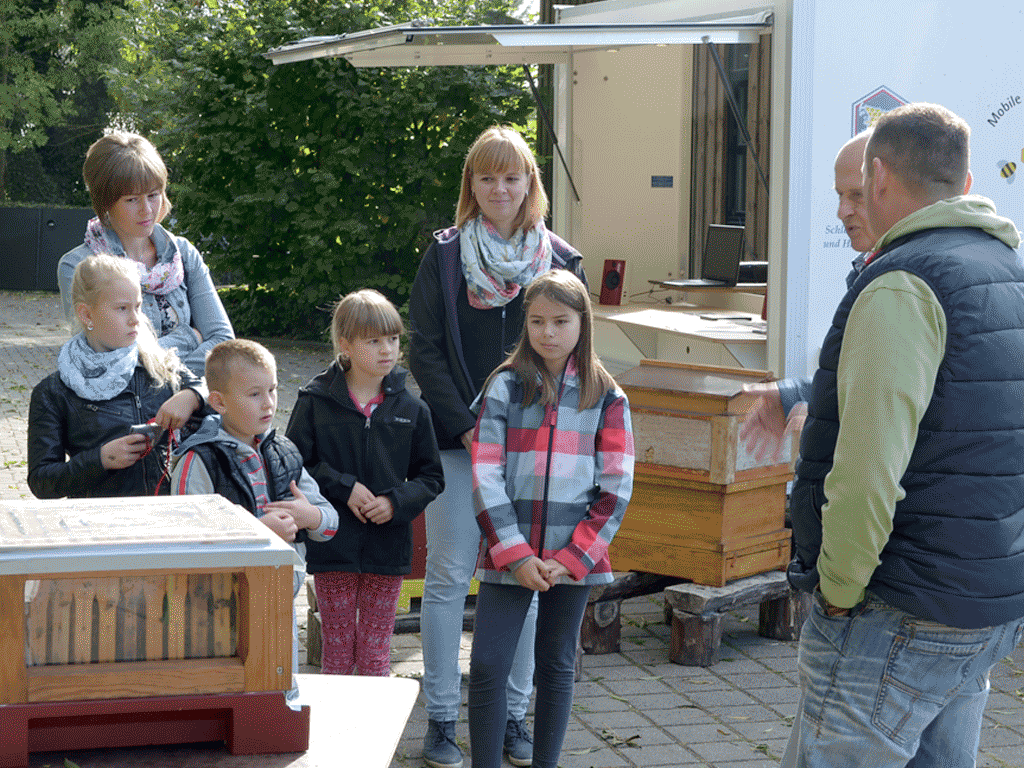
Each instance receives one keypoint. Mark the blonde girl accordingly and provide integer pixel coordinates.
(370, 446)
(110, 376)
(552, 475)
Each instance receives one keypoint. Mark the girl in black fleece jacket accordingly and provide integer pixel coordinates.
(370, 446)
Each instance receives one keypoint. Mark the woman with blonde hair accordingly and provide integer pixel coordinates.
(465, 317)
(127, 181)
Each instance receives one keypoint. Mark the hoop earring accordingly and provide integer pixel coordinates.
(89, 327)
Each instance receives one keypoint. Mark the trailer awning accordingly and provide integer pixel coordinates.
(418, 45)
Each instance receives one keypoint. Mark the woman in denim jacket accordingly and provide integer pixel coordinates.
(127, 180)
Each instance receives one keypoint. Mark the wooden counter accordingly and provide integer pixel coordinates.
(624, 335)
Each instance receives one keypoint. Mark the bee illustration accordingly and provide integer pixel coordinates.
(1007, 168)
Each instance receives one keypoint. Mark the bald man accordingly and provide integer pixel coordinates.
(849, 185)
(782, 406)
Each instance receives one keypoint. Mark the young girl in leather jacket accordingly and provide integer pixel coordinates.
(110, 376)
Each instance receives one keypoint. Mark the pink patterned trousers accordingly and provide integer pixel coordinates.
(357, 617)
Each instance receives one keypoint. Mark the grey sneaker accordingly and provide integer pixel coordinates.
(518, 743)
(439, 747)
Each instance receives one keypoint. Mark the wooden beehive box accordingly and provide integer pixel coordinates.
(142, 598)
(689, 416)
(703, 508)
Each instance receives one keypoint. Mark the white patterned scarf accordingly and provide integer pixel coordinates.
(497, 269)
(96, 375)
(160, 280)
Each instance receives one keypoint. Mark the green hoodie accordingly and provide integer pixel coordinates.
(964, 211)
(893, 344)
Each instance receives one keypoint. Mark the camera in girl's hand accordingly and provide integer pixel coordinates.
(151, 431)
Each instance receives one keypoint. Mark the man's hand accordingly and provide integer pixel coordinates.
(830, 610)
(766, 429)
(834, 610)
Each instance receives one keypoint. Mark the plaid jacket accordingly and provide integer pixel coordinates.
(553, 475)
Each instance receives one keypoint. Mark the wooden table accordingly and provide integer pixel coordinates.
(702, 336)
(684, 285)
(355, 721)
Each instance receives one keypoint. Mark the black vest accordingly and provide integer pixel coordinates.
(282, 463)
(956, 553)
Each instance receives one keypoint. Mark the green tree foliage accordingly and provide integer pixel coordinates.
(309, 180)
(53, 102)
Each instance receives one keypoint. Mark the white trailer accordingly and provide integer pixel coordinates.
(625, 120)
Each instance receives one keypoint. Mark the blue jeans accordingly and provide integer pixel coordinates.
(883, 688)
(453, 543)
(500, 612)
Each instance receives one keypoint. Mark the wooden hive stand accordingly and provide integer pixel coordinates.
(696, 614)
(601, 630)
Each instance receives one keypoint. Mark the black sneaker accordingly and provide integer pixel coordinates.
(439, 747)
(518, 743)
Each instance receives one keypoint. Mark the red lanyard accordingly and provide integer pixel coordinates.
(172, 440)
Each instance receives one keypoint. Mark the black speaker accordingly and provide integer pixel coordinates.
(611, 281)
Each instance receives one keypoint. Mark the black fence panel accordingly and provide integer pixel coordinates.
(32, 240)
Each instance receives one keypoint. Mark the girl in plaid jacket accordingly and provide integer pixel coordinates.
(552, 475)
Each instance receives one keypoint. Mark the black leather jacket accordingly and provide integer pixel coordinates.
(66, 432)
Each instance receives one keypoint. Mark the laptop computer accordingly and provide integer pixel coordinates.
(723, 249)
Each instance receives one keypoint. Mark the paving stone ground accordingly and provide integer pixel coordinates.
(633, 709)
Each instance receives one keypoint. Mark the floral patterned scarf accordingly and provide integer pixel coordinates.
(497, 269)
(160, 280)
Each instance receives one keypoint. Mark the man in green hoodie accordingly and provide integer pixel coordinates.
(908, 505)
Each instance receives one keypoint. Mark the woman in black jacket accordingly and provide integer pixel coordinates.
(465, 317)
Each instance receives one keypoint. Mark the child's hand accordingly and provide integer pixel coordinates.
(281, 523)
(124, 451)
(176, 409)
(304, 514)
(531, 575)
(358, 499)
(380, 510)
(555, 572)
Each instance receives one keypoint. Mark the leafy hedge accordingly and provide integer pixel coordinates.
(308, 180)
(274, 313)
